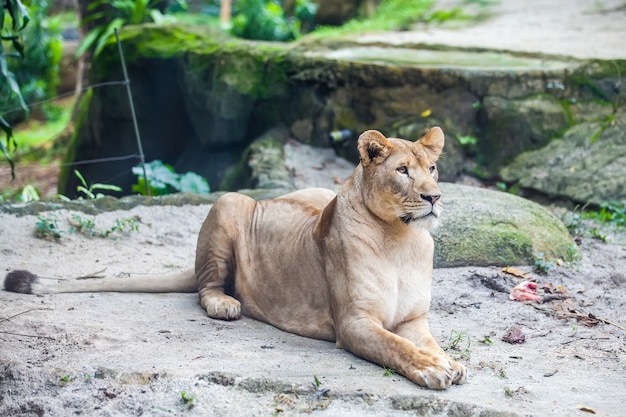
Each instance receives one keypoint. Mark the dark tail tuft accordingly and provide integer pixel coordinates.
(20, 281)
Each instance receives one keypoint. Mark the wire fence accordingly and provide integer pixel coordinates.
(138, 156)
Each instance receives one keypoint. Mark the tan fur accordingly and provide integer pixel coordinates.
(355, 268)
(346, 268)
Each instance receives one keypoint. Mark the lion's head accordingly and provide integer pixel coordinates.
(400, 177)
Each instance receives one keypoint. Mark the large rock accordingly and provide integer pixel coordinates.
(201, 98)
(587, 165)
(483, 227)
(512, 126)
(262, 165)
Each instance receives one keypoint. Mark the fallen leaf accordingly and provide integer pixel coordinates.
(515, 272)
(426, 113)
(561, 289)
(586, 409)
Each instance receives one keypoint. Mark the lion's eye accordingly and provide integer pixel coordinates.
(403, 170)
(432, 169)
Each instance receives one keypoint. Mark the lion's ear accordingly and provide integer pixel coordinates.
(433, 142)
(373, 147)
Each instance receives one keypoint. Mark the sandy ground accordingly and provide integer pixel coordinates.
(135, 354)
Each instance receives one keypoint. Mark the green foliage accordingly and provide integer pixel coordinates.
(459, 342)
(486, 340)
(37, 71)
(187, 400)
(467, 140)
(36, 134)
(90, 191)
(13, 19)
(47, 227)
(162, 180)
(542, 264)
(573, 254)
(119, 13)
(609, 214)
(613, 213)
(22, 195)
(388, 371)
(266, 20)
(88, 227)
(444, 15)
(390, 15)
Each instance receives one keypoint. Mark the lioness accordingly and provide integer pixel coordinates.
(355, 268)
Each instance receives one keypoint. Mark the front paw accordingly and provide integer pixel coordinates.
(460, 372)
(439, 372)
(223, 308)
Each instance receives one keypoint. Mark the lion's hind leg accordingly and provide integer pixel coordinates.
(216, 258)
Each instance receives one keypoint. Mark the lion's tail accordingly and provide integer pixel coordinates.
(26, 282)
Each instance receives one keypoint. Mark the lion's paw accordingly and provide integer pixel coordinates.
(439, 373)
(460, 372)
(223, 308)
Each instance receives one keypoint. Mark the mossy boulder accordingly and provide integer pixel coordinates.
(483, 227)
(586, 165)
(512, 126)
(262, 165)
(201, 98)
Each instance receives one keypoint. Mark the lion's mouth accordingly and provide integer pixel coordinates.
(408, 217)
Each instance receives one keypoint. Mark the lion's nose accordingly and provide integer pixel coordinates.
(432, 198)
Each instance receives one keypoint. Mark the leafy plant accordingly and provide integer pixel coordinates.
(542, 264)
(613, 213)
(266, 20)
(466, 140)
(122, 13)
(486, 340)
(162, 180)
(24, 194)
(37, 73)
(388, 371)
(573, 254)
(88, 226)
(90, 191)
(47, 227)
(444, 15)
(389, 15)
(460, 343)
(187, 400)
(18, 19)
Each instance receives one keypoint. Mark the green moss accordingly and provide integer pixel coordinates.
(238, 177)
(568, 111)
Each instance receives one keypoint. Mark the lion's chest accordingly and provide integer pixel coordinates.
(407, 291)
(394, 287)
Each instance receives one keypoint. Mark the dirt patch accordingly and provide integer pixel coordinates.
(138, 354)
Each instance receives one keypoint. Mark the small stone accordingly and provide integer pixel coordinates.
(514, 335)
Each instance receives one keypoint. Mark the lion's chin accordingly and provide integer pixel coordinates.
(428, 221)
